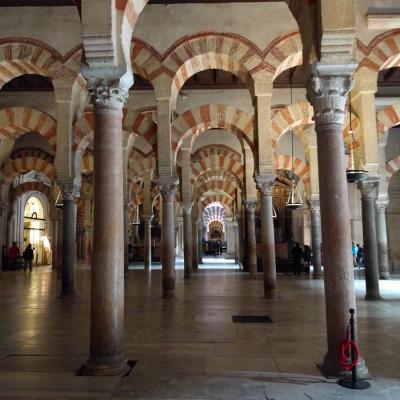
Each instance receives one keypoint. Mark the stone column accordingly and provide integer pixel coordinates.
(3, 227)
(147, 241)
(369, 190)
(167, 239)
(107, 353)
(68, 245)
(265, 185)
(60, 231)
(187, 239)
(200, 241)
(381, 237)
(126, 237)
(327, 91)
(237, 243)
(251, 237)
(195, 240)
(316, 239)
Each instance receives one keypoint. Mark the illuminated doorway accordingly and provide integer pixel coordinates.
(35, 231)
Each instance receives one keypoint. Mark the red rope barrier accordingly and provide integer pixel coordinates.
(344, 354)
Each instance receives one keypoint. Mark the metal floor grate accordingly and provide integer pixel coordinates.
(252, 319)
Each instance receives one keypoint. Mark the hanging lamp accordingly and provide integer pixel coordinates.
(292, 201)
(353, 174)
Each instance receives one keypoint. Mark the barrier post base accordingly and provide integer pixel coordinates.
(360, 384)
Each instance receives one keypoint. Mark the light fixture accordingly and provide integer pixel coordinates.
(292, 202)
(136, 220)
(59, 203)
(353, 174)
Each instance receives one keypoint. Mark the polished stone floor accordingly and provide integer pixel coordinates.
(188, 348)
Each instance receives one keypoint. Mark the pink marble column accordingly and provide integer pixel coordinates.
(265, 185)
(107, 353)
(168, 191)
(187, 239)
(327, 92)
(251, 237)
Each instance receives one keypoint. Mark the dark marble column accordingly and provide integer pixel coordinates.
(68, 246)
(147, 241)
(187, 239)
(251, 237)
(369, 191)
(381, 237)
(195, 242)
(126, 238)
(265, 185)
(168, 239)
(200, 242)
(316, 239)
(327, 90)
(107, 353)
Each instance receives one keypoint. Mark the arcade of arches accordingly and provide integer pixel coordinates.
(143, 141)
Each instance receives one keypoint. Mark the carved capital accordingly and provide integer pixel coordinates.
(147, 218)
(327, 90)
(250, 205)
(265, 184)
(107, 93)
(168, 191)
(368, 188)
(381, 206)
(187, 207)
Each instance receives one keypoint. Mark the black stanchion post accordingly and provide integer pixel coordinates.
(353, 383)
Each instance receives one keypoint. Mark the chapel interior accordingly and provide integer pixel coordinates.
(208, 188)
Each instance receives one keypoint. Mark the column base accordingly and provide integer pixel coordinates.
(372, 297)
(68, 294)
(168, 294)
(187, 276)
(318, 275)
(331, 369)
(104, 367)
(270, 294)
(252, 275)
(384, 276)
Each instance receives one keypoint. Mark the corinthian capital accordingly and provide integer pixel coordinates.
(327, 90)
(250, 206)
(168, 191)
(381, 206)
(107, 93)
(369, 188)
(265, 184)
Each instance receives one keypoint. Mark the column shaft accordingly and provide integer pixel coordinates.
(195, 239)
(68, 247)
(200, 242)
(368, 192)
(168, 240)
(107, 355)
(187, 240)
(327, 92)
(147, 242)
(316, 241)
(251, 237)
(381, 237)
(267, 236)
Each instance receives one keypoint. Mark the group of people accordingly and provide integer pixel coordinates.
(298, 256)
(358, 255)
(213, 247)
(27, 255)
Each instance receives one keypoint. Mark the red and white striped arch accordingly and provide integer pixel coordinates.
(31, 187)
(20, 56)
(392, 167)
(383, 51)
(207, 116)
(21, 166)
(16, 121)
(301, 169)
(217, 185)
(283, 53)
(387, 118)
(211, 50)
(226, 201)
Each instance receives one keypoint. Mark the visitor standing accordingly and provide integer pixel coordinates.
(28, 257)
(13, 254)
(297, 255)
(354, 249)
(307, 258)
